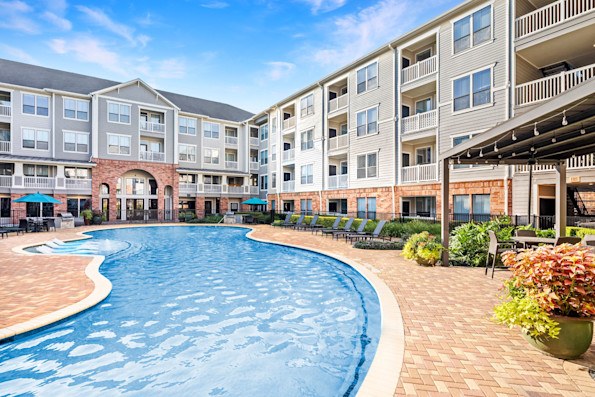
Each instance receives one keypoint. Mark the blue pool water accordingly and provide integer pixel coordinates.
(204, 311)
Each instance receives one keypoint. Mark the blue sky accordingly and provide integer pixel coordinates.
(246, 53)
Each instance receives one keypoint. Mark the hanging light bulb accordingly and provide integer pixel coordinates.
(583, 130)
(458, 160)
(499, 156)
(481, 152)
(564, 121)
(532, 148)
(513, 136)
(554, 139)
(535, 130)
(486, 161)
(496, 147)
(513, 154)
(468, 154)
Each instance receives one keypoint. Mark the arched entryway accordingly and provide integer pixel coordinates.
(137, 196)
(104, 200)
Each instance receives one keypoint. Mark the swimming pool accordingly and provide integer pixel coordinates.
(205, 311)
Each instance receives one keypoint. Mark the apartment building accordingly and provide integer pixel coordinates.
(366, 139)
(125, 148)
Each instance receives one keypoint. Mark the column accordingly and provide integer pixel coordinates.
(445, 209)
(561, 198)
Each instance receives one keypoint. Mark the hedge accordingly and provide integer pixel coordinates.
(579, 231)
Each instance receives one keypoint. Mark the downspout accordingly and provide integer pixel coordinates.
(395, 125)
(322, 149)
(53, 124)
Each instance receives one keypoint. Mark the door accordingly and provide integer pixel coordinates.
(406, 208)
(332, 170)
(332, 132)
(404, 111)
(286, 116)
(331, 95)
(135, 209)
(406, 160)
(208, 207)
(405, 63)
(105, 208)
(286, 146)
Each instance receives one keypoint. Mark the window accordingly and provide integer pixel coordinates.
(307, 139)
(307, 174)
(187, 178)
(273, 180)
(423, 106)
(37, 170)
(76, 142)
(264, 132)
(118, 144)
(35, 139)
(307, 105)
(306, 206)
(264, 157)
(119, 113)
(366, 166)
(36, 104)
(76, 205)
(187, 126)
(4, 134)
(231, 156)
(274, 126)
(421, 56)
(371, 208)
(5, 207)
(480, 23)
(135, 186)
(460, 207)
(212, 180)
(76, 109)
(211, 130)
(367, 122)
(212, 156)
(481, 90)
(187, 153)
(343, 130)
(264, 182)
(367, 78)
(481, 206)
(231, 132)
(361, 207)
(273, 152)
(423, 155)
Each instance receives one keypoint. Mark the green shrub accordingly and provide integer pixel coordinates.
(186, 214)
(579, 231)
(207, 219)
(546, 233)
(469, 242)
(87, 214)
(379, 245)
(424, 248)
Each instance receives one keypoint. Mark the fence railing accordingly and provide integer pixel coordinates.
(5, 180)
(152, 156)
(338, 103)
(5, 110)
(72, 183)
(254, 190)
(231, 140)
(420, 121)
(288, 155)
(338, 142)
(254, 166)
(151, 127)
(418, 173)
(253, 141)
(420, 69)
(11, 217)
(338, 181)
(39, 182)
(288, 123)
(213, 188)
(231, 164)
(5, 146)
(550, 15)
(573, 163)
(289, 186)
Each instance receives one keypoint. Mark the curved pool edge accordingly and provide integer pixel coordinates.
(383, 375)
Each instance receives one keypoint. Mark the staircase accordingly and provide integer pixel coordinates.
(578, 205)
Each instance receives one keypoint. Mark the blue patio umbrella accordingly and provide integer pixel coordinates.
(255, 201)
(37, 198)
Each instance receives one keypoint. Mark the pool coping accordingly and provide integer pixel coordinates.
(383, 375)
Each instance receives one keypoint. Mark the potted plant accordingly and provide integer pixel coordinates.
(97, 217)
(551, 297)
(87, 216)
(424, 248)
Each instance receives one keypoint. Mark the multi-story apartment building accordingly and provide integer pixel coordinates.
(124, 148)
(366, 138)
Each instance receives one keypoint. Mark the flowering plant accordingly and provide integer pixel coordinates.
(424, 248)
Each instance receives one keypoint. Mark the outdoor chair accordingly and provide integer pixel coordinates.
(334, 227)
(567, 240)
(291, 224)
(285, 222)
(589, 240)
(366, 235)
(347, 228)
(24, 224)
(495, 249)
(360, 229)
(312, 224)
(299, 222)
(525, 233)
(51, 224)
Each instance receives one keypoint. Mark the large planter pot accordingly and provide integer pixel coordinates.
(424, 262)
(87, 221)
(97, 220)
(574, 339)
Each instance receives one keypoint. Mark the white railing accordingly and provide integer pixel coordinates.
(5, 146)
(40, 182)
(5, 110)
(289, 123)
(419, 70)
(231, 164)
(231, 140)
(288, 155)
(152, 127)
(288, 186)
(337, 181)
(235, 189)
(152, 156)
(573, 163)
(420, 121)
(548, 87)
(338, 142)
(188, 187)
(5, 181)
(420, 173)
(550, 15)
(254, 190)
(213, 188)
(73, 183)
(337, 103)
(253, 141)
(254, 166)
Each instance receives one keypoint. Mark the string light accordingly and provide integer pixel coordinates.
(535, 130)
(499, 156)
(496, 147)
(554, 138)
(468, 154)
(532, 148)
(481, 152)
(583, 130)
(458, 160)
(564, 121)
(513, 154)
(513, 136)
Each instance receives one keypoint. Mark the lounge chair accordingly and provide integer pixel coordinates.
(567, 240)
(299, 222)
(309, 226)
(347, 228)
(497, 248)
(367, 235)
(322, 228)
(285, 222)
(589, 240)
(360, 229)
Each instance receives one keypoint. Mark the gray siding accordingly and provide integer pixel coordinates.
(65, 124)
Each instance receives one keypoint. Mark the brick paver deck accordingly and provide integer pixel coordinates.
(451, 347)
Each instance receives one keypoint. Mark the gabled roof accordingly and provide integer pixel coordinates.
(132, 82)
(216, 110)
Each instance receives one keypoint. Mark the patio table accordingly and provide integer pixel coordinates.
(531, 241)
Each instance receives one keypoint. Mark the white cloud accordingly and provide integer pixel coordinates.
(17, 54)
(323, 6)
(278, 70)
(143, 39)
(173, 68)
(146, 21)
(101, 19)
(15, 15)
(59, 22)
(57, 7)
(215, 4)
(86, 49)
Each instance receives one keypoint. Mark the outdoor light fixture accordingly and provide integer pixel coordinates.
(532, 148)
(513, 136)
(481, 152)
(582, 130)
(554, 138)
(468, 154)
(535, 130)
(513, 154)
(496, 147)
(499, 156)
(564, 121)
(458, 160)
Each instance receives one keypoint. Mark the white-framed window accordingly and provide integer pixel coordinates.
(306, 207)
(367, 78)
(211, 130)
(264, 182)
(118, 113)
(273, 152)
(187, 126)
(307, 105)
(367, 122)
(367, 165)
(423, 55)
(35, 139)
(76, 109)
(38, 105)
(472, 30)
(264, 132)
(264, 157)
(118, 144)
(472, 90)
(76, 141)
(77, 173)
(425, 105)
(307, 174)
(423, 155)
(211, 156)
(307, 139)
(187, 153)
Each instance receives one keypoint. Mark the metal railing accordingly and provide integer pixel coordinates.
(573, 163)
(254, 166)
(5, 180)
(253, 141)
(188, 187)
(288, 123)
(289, 186)
(338, 103)
(288, 155)
(418, 173)
(213, 188)
(152, 156)
(235, 189)
(420, 121)
(338, 181)
(5, 146)
(550, 15)
(5, 110)
(231, 164)
(39, 182)
(231, 140)
(72, 183)
(11, 217)
(420, 69)
(254, 190)
(151, 127)
(338, 142)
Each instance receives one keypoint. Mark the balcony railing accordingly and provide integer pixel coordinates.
(420, 173)
(253, 141)
(5, 181)
(337, 181)
(151, 127)
(548, 87)
(574, 163)
(152, 156)
(254, 190)
(231, 164)
(4, 146)
(289, 123)
(337, 103)
(5, 110)
(420, 121)
(40, 182)
(188, 187)
(72, 183)
(288, 155)
(254, 166)
(235, 189)
(288, 186)
(550, 15)
(232, 140)
(338, 142)
(213, 188)
(419, 70)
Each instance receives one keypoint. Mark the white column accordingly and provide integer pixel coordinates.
(561, 198)
(18, 175)
(445, 209)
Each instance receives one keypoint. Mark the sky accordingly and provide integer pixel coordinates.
(250, 54)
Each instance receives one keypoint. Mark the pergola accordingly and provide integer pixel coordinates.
(548, 133)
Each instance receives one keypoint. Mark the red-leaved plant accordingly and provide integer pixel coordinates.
(561, 279)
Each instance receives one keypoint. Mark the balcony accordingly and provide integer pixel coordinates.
(574, 163)
(188, 188)
(419, 173)
(288, 186)
(288, 123)
(550, 15)
(4, 146)
(253, 141)
(338, 142)
(419, 70)
(254, 190)
(254, 166)
(235, 189)
(152, 156)
(233, 140)
(72, 183)
(5, 181)
(213, 188)
(5, 110)
(420, 121)
(231, 164)
(151, 127)
(338, 103)
(338, 181)
(288, 156)
(42, 182)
